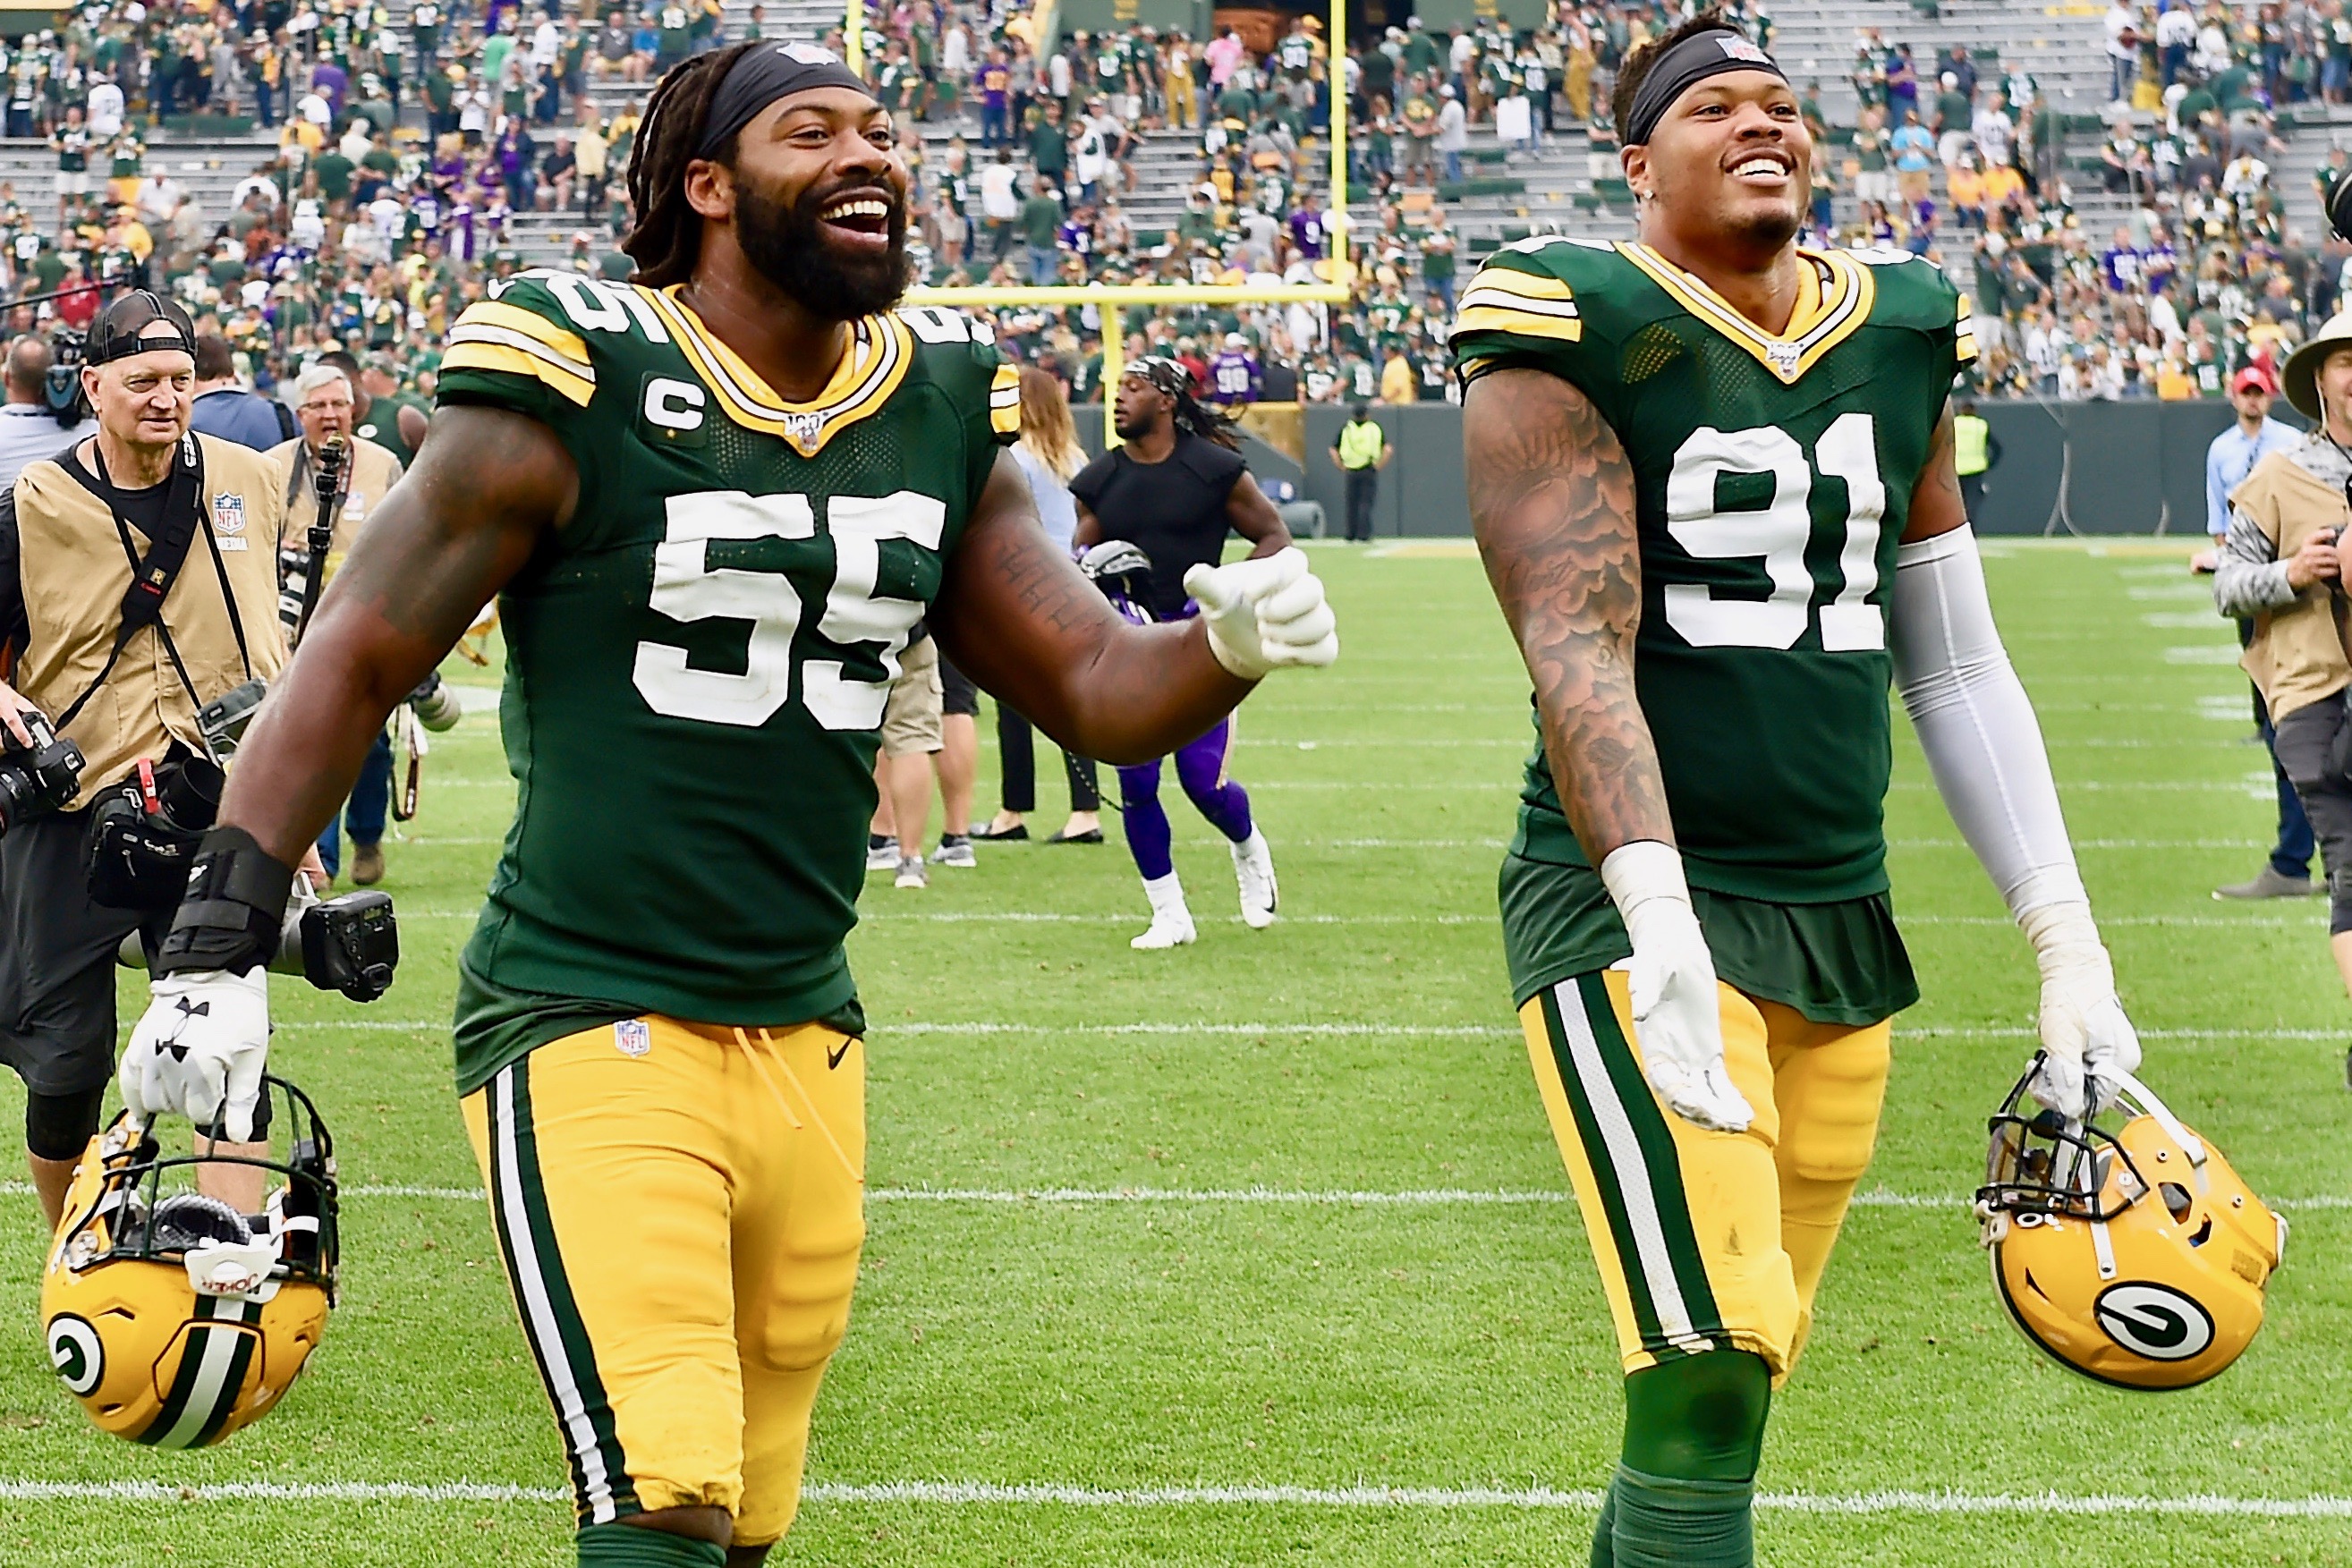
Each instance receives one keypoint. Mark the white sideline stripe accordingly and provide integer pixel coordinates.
(2311, 921)
(1379, 1030)
(1424, 1198)
(983, 1494)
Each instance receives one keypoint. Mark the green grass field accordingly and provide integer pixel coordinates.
(1210, 1249)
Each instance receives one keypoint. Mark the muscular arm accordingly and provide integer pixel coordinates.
(486, 487)
(1249, 514)
(1552, 503)
(1089, 532)
(1021, 620)
(1936, 506)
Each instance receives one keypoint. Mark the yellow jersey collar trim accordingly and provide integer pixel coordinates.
(1835, 296)
(881, 348)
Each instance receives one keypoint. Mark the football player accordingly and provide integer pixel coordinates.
(714, 502)
(1711, 477)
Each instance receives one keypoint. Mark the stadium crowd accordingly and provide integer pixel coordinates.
(404, 155)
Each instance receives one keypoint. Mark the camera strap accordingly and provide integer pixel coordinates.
(154, 574)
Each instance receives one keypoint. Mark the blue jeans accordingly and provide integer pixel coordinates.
(992, 124)
(370, 801)
(1042, 262)
(1452, 167)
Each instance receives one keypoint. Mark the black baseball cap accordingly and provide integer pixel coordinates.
(130, 326)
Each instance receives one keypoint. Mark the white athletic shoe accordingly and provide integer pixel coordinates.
(955, 852)
(882, 856)
(1254, 873)
(911, 872)
(1172, 923)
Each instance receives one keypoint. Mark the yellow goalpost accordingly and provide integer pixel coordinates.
(1108, 297)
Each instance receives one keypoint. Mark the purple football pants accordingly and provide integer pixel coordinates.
(1201, 769)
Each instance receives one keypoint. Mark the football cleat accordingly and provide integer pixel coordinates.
(1253, 874)
(173, 1318)
(1172, 922)
(2138, 1257)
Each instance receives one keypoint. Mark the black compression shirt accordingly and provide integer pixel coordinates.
(1173, 510)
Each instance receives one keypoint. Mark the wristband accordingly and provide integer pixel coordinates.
(1637, 873)
(234, 907)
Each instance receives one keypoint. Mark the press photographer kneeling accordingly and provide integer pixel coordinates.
(138, 610)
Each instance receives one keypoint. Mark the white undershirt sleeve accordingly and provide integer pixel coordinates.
(1976, 726)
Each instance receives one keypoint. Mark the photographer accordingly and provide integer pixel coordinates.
(327, 407)
(2282, 566)
(137, 584)
(28, 425)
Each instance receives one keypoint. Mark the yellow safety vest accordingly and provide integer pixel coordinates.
(1360, 444)
(1969, 434)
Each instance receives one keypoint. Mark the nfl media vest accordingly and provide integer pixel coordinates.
(2297, 654)
(374, 471)
(74, 575)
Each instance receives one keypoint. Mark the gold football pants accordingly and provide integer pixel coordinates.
(1708, 1241)
(679, 1209)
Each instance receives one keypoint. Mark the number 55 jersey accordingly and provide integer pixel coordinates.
(1773, 474)
(698, 660)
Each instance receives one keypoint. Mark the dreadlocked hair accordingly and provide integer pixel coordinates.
(668, 236)
(1207, 423)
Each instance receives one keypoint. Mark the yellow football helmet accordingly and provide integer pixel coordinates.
(173, 1318)
(2137, 1258)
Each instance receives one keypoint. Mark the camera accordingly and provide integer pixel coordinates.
(225, 718)
(350, 944)
(62, 390)
(436, 704)
(39, 779)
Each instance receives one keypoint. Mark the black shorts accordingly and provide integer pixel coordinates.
(958, 694)
(57, 957)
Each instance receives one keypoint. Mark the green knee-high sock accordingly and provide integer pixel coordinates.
(1668, 1523)
(634, 1546)
(1683, 1491)
(1604, 1549)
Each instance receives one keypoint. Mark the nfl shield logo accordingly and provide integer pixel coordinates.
(632, 1036)
(1784, 358)
(804, 428)
(228, 513)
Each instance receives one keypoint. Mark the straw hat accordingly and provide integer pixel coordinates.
(2298, 377)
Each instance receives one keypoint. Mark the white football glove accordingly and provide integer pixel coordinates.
(199, 1049)
(1676, 1015)
(1265, 613)
(2088, 1044)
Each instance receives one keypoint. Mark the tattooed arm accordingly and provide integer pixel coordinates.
(1020, 619)
(1551, 501)
(486, 487)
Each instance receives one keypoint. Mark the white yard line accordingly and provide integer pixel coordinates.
(963, 1494)
(1290, 1198)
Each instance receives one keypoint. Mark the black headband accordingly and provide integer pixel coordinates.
(1165, 374)
(126, 328)
(760, 77)
(1684, 66)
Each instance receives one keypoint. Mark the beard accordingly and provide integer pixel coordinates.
(1129, 429)
(787, 246)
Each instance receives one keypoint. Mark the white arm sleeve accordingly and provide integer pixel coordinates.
(1975, 724)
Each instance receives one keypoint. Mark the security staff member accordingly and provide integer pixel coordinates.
(1361, 452)
(75, 531)
(327, 405)
(1974, 452)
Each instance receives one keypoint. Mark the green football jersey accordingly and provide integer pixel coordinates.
(1774, 476)
(698, 661)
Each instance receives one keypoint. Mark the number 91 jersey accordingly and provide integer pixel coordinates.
(698, 661)
(1772, 482)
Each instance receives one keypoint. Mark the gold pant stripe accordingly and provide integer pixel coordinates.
(700, 1193)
